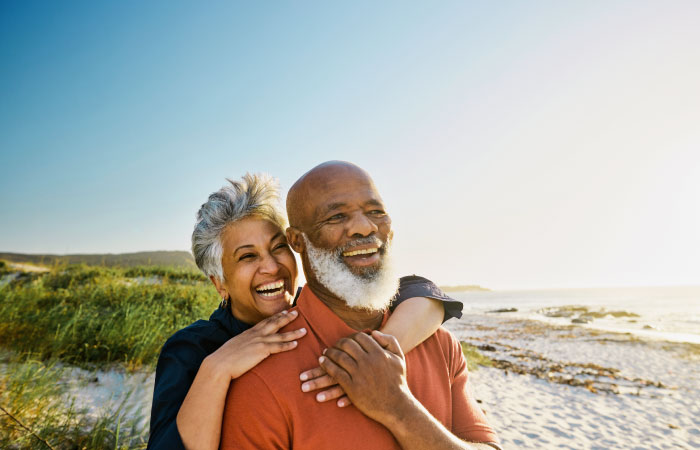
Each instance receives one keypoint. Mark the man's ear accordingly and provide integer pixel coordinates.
(295, 239)
(220, 288)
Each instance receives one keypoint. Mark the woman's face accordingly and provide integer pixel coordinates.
(260, 271)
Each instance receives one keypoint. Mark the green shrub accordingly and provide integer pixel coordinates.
(95, 315)
(474, 357)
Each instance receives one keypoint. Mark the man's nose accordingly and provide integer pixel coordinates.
(361, 226)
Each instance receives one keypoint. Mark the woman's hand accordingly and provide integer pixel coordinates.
(245, 351)
(317, 378)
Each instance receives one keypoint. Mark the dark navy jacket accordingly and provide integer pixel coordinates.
(184, 352)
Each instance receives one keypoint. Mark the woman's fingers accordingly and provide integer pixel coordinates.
(273, 323)
(288, 336)
(330, 394)
(311, 374)
(277, 347)
(343, 401)
(318, 383)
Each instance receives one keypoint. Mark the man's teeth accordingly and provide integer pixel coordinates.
(367, 251)
(270, 289)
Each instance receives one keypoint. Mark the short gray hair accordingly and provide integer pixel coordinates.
(254, 195)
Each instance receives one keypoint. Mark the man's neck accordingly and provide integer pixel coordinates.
(357, 319)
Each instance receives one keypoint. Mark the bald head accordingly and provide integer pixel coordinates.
(305, 196)
(342, 232)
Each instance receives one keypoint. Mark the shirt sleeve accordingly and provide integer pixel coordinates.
(468, 420)
(253, 418)
(415, 286)
(175, 373)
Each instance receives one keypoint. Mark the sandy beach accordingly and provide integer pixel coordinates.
(577, 388)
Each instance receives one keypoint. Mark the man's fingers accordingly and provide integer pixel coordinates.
(388, 342)
(334, 370)
(350, 346)
(366, 342)
(273, 323)
(330, 394)
(318, 383)
(342, 359)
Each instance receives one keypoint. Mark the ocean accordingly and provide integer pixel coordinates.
(664, 313)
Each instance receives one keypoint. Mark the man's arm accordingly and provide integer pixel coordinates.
(373, 374)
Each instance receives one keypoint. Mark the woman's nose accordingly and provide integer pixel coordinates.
(269, 264)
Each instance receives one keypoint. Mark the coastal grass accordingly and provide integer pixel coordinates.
(474, 357)
(93, 316)
(36, 412)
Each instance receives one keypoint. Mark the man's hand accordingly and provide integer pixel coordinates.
(372, 372)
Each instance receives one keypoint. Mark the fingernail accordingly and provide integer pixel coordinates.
(303, 377)
(293, 313)
(341, 403)
(324, 351)
(305, 387)
(321, 359)
(302, 330)
(320, 397)
(284, 312)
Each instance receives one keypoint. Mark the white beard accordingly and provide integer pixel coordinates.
(372, 290)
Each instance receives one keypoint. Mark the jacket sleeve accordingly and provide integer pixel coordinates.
(177, 366)
(415, 286)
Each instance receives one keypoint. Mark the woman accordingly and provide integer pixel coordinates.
(239, 243)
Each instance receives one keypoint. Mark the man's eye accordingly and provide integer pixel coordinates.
(336, 217)
(377, 212)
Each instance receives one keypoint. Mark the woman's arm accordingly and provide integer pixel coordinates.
(199, 418)
(414, 321)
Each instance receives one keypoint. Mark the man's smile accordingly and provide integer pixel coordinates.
(366, 256)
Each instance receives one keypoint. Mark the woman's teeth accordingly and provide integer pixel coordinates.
(271, 289)
(367, 251)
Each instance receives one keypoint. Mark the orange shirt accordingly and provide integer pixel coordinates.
(266, 409)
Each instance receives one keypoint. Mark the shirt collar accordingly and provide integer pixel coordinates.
(327, 326)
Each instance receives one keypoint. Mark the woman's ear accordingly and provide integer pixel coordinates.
(220, 288)
(295, 239)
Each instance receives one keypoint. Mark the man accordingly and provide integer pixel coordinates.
(418, 401)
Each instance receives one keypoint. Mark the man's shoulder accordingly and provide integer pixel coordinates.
(441, 347)
(442, 337)
(301, 358)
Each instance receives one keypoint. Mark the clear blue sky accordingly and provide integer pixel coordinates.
(517, 144)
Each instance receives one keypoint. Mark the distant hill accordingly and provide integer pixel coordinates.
(466, 287)
(163, 258)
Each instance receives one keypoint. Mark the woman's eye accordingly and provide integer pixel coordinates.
(281, 246)
(247, 256)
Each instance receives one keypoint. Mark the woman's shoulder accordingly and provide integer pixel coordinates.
(200, 337)
(417, 286)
